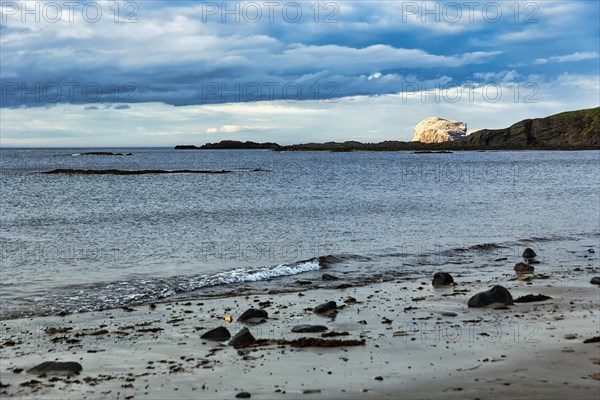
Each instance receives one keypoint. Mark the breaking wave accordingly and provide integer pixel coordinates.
(107, 295)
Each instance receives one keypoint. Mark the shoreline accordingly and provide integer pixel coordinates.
(420, 342)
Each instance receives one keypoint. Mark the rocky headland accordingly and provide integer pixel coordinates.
(572, 130)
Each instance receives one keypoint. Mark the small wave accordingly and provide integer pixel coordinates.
(327, 261)
(107, 295)
(241, 275)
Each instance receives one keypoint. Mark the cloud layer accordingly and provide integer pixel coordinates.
(109, 56)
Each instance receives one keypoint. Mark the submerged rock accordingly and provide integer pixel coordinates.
(439, 130)
(325, 308)
(442, 279)
(219, 334)
(253, 314)
(309, 328)
(242, 338)
(497, 294)
(524, 268)
(529, 253)
(56, 367)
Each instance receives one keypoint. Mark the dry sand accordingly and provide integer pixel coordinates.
(414, 346)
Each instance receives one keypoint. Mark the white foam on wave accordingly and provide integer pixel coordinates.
(240, 275)
(121, 293)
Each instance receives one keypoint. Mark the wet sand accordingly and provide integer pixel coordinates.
(420, 342)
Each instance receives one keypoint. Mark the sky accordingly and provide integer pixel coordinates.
(162, 73)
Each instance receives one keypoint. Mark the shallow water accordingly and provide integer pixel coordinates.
(83, 242)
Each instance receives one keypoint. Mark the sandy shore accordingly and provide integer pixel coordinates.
(420, 342)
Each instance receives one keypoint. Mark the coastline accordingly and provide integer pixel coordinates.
(412, 350)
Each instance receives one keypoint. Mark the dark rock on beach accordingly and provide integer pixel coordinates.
(253, 314)
(56, 367)
(532, 297)
(243, 395)
(442, 279)
(242, 338)
(529, 253)
(524, 268)
(219, 334)
(595, 280)
(309, 328)
(325, 308)
(497, 294)
(329, 277)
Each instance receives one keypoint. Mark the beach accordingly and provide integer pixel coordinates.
(299, 200)
(419, 342)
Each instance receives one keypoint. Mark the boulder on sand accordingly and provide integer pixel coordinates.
(309, 328)
(219, 334)
(253, 315)
(56, 367)
(497, 294)
(528, 253)
(242, 339)
(326, 308)
(523, 268)
(442, 279)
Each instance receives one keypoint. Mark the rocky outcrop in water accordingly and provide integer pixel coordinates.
(230, 145)
(104, 153)
(439, 130)
(132, 172)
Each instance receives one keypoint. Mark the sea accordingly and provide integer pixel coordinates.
(279, 221)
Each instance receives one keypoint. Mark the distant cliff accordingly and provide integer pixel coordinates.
(572, 130)
(230, 145)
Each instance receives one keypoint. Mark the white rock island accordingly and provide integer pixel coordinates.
(439, 130)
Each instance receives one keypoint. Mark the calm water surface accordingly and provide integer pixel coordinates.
(85, 242)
